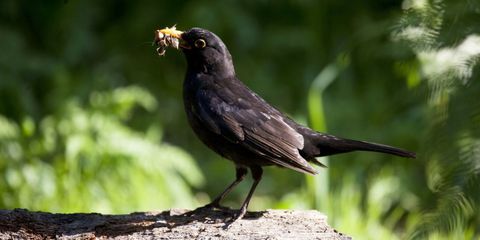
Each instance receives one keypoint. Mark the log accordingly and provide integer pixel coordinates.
(172, 224)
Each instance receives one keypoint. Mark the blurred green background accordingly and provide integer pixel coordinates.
(91, 119)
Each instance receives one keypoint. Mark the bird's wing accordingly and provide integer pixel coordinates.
(259, 131)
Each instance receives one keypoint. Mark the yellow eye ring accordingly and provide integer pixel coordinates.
(200, 43)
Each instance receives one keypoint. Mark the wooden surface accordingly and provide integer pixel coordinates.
(173, 224)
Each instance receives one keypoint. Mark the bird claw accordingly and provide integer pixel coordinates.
(209, 207)
(215, 205)
(237, 216)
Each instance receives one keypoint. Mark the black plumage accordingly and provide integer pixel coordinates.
(239, 125)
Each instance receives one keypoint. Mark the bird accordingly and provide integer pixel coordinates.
(238, 124)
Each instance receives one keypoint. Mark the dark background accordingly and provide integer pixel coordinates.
(91, 119)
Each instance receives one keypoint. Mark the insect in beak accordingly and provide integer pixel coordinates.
(169, 37)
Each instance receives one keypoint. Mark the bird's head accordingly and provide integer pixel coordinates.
(203, 50)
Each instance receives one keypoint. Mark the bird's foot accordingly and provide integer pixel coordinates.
(216, 205)
(237, 216)
(209, 207)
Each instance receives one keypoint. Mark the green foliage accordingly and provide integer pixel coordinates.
(318, 186)
(80, 132)
(87, 159)
(450, 69)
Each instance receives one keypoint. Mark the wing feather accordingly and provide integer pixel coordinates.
(262, 132)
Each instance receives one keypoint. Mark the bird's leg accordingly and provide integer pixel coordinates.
(257, 176)
(241, 172)
(240, 175)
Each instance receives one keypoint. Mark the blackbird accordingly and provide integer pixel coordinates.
(238, 124)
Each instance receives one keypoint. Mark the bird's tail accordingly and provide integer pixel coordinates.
(329, 145)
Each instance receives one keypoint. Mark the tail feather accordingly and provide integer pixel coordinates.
(329, 145)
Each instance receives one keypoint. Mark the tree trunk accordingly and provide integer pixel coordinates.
(173, 224)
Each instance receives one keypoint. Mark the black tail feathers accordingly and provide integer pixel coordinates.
(329, 145)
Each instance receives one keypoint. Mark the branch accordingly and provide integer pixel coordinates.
(173, 224)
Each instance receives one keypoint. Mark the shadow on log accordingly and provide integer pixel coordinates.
(173, 224)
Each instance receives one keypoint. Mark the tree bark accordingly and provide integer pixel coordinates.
(173, 224)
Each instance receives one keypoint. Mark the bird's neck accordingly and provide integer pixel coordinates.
(220, 68)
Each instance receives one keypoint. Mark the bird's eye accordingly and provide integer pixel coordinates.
(200, 43)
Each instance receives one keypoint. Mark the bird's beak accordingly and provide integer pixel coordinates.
(168, 33)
